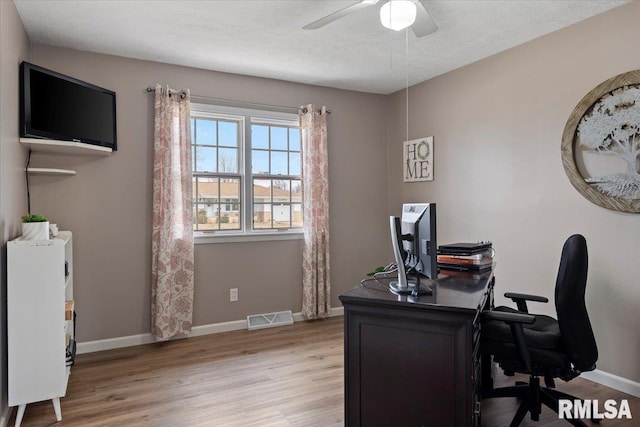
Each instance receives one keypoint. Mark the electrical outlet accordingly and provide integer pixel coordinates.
(233, 294)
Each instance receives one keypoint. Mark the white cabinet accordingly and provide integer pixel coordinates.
(39, 290)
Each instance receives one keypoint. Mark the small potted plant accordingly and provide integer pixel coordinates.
(35, 227)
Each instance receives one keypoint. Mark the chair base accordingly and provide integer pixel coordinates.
(533, 397)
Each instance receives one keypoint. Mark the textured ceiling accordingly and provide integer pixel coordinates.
(265, 38)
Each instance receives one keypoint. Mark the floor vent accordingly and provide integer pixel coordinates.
(269, 320)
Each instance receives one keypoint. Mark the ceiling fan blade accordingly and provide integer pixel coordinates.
(424, 25)
(339, 14)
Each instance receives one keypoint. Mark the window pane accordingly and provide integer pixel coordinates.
(281, 191)
(194, 196)
(261, 191)
(230, 206)
(228, 134)
(278, 138)
(261, 216)
(259, 162)
(205, 203)
(195, 216)
(281, 215)
(294, 164)
(259, 136)
(230, 190)
(205, 159)
(294, 139)
(228, 160)
(206, 217)
(296, 215)
(279, 163)
(194, 189)
(296, 191)
(205, 132)
(207, 190)
(193, 130)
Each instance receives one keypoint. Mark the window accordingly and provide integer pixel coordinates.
(247, 171)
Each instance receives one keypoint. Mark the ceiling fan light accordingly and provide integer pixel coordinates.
(398, 14)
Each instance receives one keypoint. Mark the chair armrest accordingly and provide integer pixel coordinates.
(508, 317)
(521, 300)
(515, 295)
(515, 321)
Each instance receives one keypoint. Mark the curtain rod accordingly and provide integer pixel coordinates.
(241, 103)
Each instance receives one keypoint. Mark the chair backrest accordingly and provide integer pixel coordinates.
(573, 319)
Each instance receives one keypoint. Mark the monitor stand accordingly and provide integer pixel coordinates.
(404, 285)
(414, 288)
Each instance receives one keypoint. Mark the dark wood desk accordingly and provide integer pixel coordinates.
(415, 361)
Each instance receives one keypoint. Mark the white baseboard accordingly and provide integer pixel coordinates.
(615, 382)
(214, 328)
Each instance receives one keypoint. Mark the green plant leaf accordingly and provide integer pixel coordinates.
(34, 218)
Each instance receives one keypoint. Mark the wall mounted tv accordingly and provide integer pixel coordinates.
(55, 106)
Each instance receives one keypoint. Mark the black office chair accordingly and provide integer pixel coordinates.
(542, 346)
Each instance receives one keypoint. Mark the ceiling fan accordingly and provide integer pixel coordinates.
(422, 26)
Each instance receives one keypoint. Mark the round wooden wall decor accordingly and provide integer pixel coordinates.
(601, 144)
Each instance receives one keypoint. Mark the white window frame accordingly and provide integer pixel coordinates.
(247, 117)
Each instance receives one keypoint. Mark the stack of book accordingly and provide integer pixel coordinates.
(466, 256)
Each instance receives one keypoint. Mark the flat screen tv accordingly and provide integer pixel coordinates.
(55, 106)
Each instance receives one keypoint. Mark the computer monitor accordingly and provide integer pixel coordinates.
(415, 248)
(419, 221)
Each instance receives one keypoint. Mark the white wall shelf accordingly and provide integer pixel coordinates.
(54, 146)
(50, 171)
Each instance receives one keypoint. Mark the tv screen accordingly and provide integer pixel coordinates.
(55, 106)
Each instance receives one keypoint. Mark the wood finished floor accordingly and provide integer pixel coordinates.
(286, 376)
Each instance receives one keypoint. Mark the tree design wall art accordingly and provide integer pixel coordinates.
(612, 128)
(601, 144)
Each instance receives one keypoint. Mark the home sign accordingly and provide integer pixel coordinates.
(418, 160)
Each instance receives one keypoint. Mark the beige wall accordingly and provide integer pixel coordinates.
(497, 126)
(14, 48)
(108, 203)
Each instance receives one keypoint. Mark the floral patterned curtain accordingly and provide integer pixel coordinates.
(316, 283)
(172, 235)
